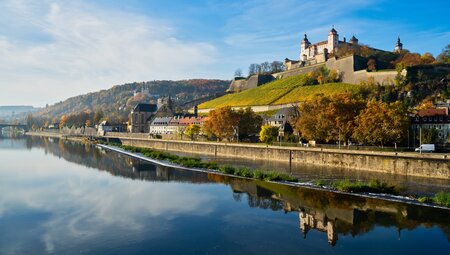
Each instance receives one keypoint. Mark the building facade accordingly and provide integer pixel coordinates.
(437, 120)
(141, 117)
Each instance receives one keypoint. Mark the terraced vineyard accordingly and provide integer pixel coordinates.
(306, 92)
(283, 91)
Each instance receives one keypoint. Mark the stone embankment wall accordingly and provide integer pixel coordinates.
(413, 164)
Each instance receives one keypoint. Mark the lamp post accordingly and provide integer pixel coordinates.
(339, 138)
(236, 132)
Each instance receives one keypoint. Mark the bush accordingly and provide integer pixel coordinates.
(442, 198)
(372, 186)
(227, 169)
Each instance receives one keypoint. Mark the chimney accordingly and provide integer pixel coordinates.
(344, 39)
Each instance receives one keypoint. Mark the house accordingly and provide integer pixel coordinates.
(141, 116)
(434, 119)
(160, 126)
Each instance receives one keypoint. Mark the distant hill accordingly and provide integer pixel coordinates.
(10, 112)
(118, 101)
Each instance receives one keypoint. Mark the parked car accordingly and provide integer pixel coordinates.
(426, 148)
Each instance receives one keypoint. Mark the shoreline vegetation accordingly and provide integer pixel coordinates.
(373, 186)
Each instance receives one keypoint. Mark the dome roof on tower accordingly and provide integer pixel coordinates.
(353, 39)
(333, 31)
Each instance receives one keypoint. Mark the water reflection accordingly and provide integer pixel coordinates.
(79, 205)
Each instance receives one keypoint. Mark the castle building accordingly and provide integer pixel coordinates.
(314, 53)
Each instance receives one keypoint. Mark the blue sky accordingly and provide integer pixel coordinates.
(52, 50)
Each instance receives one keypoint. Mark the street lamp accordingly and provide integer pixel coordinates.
(236, 132)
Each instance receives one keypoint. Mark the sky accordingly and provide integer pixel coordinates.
(53, 50)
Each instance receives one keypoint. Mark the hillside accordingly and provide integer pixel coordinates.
(10, 112)
(118, 101)
(283, 91)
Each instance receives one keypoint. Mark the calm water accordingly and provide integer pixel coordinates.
(61, 197)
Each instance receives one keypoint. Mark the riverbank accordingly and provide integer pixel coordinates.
(436, 166)
(400, 163)
(387, 197)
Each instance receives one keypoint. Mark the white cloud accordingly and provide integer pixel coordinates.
(82, 48)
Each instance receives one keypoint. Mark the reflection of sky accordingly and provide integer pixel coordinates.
(50, 205)
(74, 202)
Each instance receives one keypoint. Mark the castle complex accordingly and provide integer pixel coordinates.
(311, 54)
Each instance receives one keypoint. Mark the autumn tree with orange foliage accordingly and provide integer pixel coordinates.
(381, 123)
(322, 118)
(222, 121)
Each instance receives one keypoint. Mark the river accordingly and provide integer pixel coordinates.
(63, 197)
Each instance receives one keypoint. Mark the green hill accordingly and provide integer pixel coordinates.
(283, 91)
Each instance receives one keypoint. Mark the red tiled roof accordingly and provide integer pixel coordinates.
(433, 112)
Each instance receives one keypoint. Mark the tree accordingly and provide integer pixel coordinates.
(329, 118)
(371, 65)
(268, 134)
(276, 66)
(429, 135)
(62, 121)
(265, 67)
(444, 57)
(427, 58)
(193, 130)
(381, 123)
(249, 122)
(252, 69)
(238, 73)
(98, 116)
(30, 120)
(221, 122)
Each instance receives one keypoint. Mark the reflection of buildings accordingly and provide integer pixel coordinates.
(337, 214)
(319, 222)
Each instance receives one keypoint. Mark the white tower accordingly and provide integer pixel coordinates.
(333, 40)
(398, 45)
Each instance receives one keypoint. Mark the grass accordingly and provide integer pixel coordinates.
(283, 91)
(441, 198)
(198, 163)
(371, 186)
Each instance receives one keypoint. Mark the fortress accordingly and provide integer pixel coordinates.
(320, 52)
(351, 68)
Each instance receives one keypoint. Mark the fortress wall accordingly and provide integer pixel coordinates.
(411, 164)
(347, 66)
(293, 72)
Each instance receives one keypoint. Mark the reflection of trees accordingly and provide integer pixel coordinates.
(114, 163)
(332, 213)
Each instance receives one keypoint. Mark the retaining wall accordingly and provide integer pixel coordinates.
(432, 166)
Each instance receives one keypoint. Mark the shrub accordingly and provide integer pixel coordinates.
(442, 198)
(227, 169)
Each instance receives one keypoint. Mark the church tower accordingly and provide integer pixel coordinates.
(398, 45)
(333, 40)
(304, 45)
